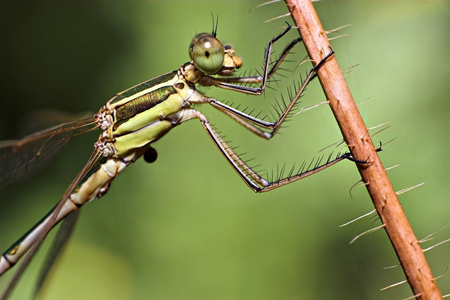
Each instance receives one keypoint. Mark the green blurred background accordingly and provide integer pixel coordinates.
(186, 227)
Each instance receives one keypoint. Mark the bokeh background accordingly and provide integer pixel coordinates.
(186, 227)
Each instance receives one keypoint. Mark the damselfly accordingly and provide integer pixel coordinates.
(135, 118)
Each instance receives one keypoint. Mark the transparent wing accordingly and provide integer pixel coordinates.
(19, 156)
(58, 245)
(62, 236)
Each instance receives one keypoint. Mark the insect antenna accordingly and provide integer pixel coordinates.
(214, 25)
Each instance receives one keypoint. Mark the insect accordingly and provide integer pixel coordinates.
(135, 118)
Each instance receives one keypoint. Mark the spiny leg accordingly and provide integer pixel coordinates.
(224, 82)
(253, 180)
(227, 82)
(251, 123)
(251, 177)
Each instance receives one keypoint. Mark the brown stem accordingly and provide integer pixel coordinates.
(360, 144)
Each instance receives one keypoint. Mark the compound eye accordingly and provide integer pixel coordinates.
(207, 53)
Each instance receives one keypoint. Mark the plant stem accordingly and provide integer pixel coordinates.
(356, 135)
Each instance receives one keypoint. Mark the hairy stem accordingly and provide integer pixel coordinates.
(384, 198)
